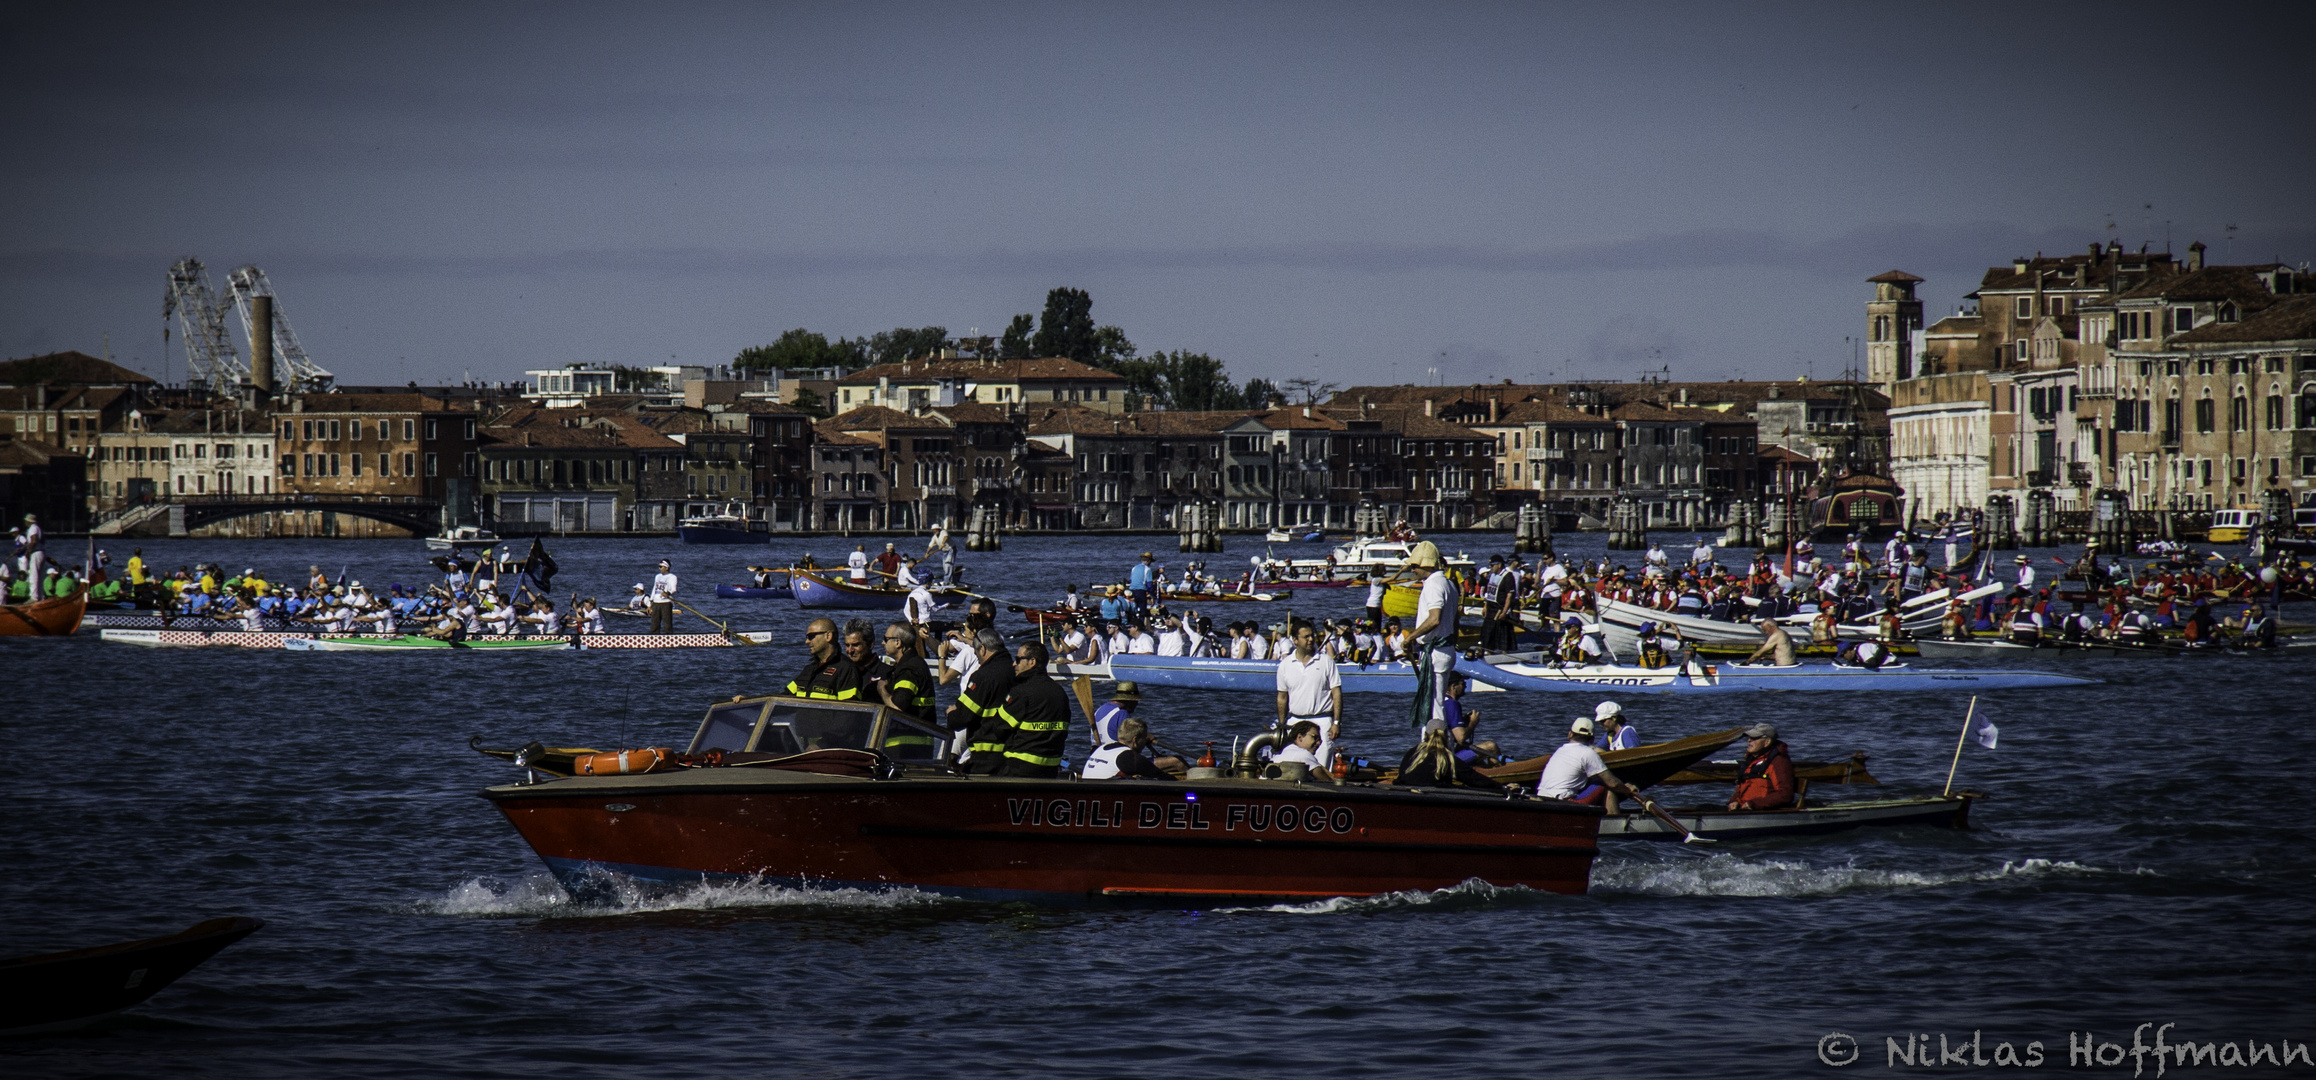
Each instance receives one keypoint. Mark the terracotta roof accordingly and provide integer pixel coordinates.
(69, 368)
(1894, 276)
(220, 422)
(21, 452)
(973, 412)
(830, 433)
(1409, 421)
(1547, 412)
(879, 418)
(1080, 421)
(596, 430)
(1641, 410)
(2289, 319)
(372, 403)
(1294, 420)
(2237, 283)
(1048, 368)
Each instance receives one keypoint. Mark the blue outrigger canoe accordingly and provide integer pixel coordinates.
(1521, 673)
(1261, 676)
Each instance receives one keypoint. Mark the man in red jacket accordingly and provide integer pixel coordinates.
(1766, 780)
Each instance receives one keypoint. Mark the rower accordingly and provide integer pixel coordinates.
(1616, 732)
(856, 564)
(1765, 780)
(590, 616)
(828, 675)
(2026, 624)
(1776, 646)
(1870, 655)
(1037, 717)
(543, 616)
(663, 594)
(1652, 651)
(1576, 772)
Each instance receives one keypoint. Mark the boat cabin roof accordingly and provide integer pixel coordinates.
(786, 725)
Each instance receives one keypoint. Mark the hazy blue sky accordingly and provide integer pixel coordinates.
(1357, 192)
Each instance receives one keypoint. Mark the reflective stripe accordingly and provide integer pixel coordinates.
(990, 747)
(965, 698)
(1033, 758)
(1025, 725)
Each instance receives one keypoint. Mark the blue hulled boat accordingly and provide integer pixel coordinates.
(1530, 673)
(1261, 676)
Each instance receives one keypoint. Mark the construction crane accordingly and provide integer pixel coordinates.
(210, 359)
(294, 371)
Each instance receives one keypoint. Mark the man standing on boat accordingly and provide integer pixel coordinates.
(904, 681)
(663, 592)
(828, 675)
(1310, 688)
(979, 707)
(35, 554)
(857, 564)
(889, 564)
(1036, 715)
(1765, 781)
(1433, 637)
(1141, 578)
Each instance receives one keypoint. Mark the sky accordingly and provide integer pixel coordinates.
(1354, 193)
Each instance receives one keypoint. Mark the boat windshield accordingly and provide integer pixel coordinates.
(795, 727)
(728, 727)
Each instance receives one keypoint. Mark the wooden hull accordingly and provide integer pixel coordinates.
(54, 617)
(63, 991)
(1046, 841)
(1950, 812)
(1640, 766)
(836, 593)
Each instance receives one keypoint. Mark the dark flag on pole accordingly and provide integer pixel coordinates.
(539, 566)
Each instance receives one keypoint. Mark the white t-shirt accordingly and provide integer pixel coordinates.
(1374, 589)
(1170, 643)
(1310, 686)
(1570, 768)
(1438, 595)
(1554, 577)
(857, 564)
(919, 606)
(1074, 647)
(963, 662)
(1258, 647)
(1141, 644)
(1297, 753)
(663, 587)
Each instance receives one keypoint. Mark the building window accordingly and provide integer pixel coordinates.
(409, 429)
(2182, 319)
(334, 430)
(355, 460)
(385, 467)
(466, 466)
(289, 465)
(470, 431)
(2204, 415)
(333, 464)
(432, 433)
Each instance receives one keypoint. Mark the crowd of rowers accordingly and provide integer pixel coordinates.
(1009, 717)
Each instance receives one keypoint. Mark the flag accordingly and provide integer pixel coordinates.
(1985, 732)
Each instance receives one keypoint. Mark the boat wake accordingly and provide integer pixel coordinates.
(540, 896)
(1730, 875)
(1471, 895)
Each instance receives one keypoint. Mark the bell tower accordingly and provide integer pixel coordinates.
(1892, 317)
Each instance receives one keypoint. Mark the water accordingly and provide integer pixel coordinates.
(2143, 857)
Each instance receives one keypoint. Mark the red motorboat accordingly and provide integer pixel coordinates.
(855, 795)
(56, 616)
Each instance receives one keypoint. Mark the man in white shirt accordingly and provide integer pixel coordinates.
(1118, 639)
(1139, 642)
(1552, 579)
(1575, 771)
(1170, 639)
(1433, 636)
(1077, 646)
(1258, 644)
(1310, 688)
(856, 564)
(2026, 576)
(663, 592)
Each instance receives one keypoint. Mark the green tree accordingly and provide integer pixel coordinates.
(1111, 348)
(1015, 345)
(1259, 394)
(1067, 327)
(904, 343)
(800, 349)
(809, 402)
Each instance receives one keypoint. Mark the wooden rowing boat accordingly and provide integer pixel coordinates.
(68, 990)
(418, 643)
(1849, 770)
(57, 616)
(1640, 766)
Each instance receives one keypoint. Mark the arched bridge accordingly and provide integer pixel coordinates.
(421, 516)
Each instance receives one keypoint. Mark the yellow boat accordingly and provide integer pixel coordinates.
(2232, 526)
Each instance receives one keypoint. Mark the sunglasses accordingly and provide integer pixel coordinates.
(810, 634)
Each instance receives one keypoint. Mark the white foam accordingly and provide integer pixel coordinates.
(540, 896)
(1731, 875)
(1471, 893)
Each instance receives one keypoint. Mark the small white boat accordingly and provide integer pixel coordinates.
(1307, 532)
(461, 538)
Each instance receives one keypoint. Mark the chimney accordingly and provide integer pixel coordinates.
(1495, 409)
(1427, 406)
(2195, 256)
(1307, 412)
(261, 345)
(2018, 266)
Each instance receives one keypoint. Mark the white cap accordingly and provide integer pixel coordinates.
(1607, 709)
(1582, 726)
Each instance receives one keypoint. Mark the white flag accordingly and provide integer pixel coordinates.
(1985, 732)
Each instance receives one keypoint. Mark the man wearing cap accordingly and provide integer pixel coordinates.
(1576, 772)
(1765, 781)
(889, 563)
(1309, 688)
(2026, 576)
(1434, 633)
(1615, 732)
(1109, 715)
(663, 593)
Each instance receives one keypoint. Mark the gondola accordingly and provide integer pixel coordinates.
(68, 990)
(818, 590)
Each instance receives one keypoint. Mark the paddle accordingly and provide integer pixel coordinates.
(1083, 687)
(1654, 811)
(726, 628)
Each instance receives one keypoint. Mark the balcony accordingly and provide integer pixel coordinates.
(2080, 474)
(940, 491)
(2042, 477)
(1547, 453)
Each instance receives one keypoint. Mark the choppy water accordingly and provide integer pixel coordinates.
(2144, 857)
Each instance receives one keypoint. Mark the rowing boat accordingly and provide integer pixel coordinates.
(1717, 823)
(266, 639)
(417, 643)
(1639, 766)
(1530, 672)
(56, 616)
(68, 990)
(1259, 676)
(1995, 648)
(1849, 770)
(816, 590)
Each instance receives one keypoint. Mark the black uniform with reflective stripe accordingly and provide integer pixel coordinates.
(1037, 723)
(910, 683)
(836, 680)
(979, 710)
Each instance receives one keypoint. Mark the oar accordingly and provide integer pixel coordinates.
(1654, 811)
(725, 627)
(1083, 687)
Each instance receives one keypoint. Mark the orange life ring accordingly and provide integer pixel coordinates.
(624, 762)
